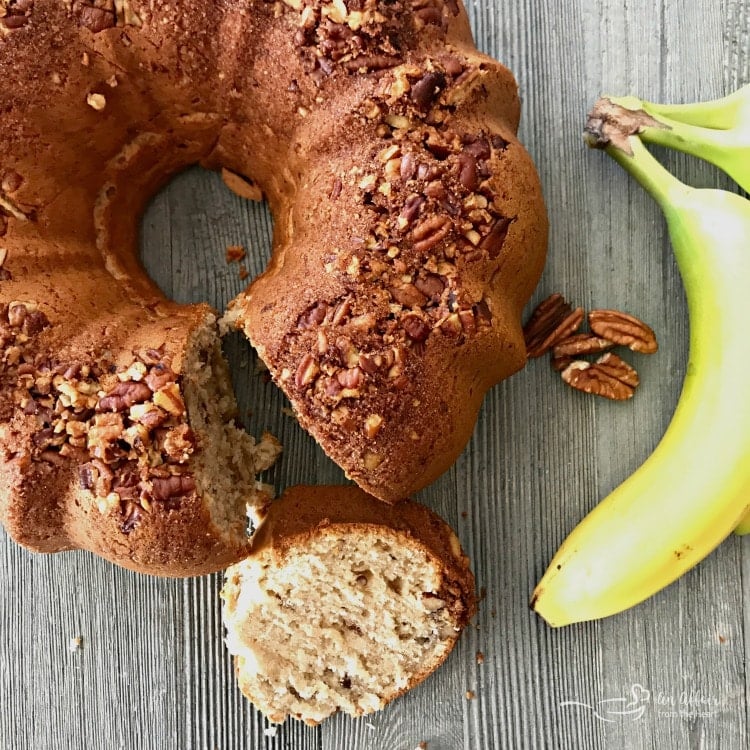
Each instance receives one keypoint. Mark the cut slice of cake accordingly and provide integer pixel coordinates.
(344, 603)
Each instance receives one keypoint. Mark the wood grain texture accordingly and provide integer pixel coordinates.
(152, 671)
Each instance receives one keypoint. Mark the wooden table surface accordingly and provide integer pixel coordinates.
(152, 671)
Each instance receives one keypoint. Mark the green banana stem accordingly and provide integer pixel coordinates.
(720, 114)
(717, 132)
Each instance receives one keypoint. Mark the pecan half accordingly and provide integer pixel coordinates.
(93, 17)
(580, 343)
(429, 232)
(180, 485)
(551, 322)
(623, 329)
(592, 378)
(427, 89)
(617, 367)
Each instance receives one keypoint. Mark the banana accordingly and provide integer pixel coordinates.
(695, 487)
(717, 131)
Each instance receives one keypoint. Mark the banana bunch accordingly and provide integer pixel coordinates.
(694, 489)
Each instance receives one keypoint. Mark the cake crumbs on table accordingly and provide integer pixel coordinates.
(470, 695)
(422, 745)
(271, 732)
(235, 253)
(480, 657)
(244, 273)
(75, 643)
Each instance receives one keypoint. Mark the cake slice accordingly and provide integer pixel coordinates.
(344, 603)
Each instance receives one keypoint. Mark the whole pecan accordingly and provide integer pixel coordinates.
(623, 329)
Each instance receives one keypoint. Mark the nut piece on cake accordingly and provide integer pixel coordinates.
(344, 603)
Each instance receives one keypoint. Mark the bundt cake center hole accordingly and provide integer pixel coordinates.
(200, 242)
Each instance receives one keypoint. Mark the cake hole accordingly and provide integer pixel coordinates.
(184, 233)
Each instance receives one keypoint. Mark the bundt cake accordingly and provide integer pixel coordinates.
(344, 603)
(409, 232)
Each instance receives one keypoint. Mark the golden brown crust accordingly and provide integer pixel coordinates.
(101, 103)
(393, 299)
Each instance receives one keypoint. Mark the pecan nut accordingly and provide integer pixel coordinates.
(599, 380)
(429, 232)
(580, 343)
(617, 367)
(623, 329)
(551, 322)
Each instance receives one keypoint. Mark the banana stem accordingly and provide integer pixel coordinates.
(719, 114)
(727, 148)
(615, 129)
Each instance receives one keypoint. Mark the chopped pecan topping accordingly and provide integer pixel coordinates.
(416, 328)
(169, 398)
(623, 329)
(425, 91)
(123, 396)
(179, 485)
(373, 425)
(307, 371)
(313, 316)
(11, 182)
(132, 514)
(95, 16)
(14, 14)
(179, 443)
(429, 232)
(159, 375)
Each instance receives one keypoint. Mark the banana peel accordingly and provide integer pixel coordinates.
(694, 489)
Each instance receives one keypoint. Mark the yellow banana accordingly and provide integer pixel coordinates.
(695, 488)
(717, 131)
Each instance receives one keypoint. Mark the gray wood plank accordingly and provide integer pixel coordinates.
(152, 671)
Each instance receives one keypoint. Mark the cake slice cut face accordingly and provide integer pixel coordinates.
(340, 611)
